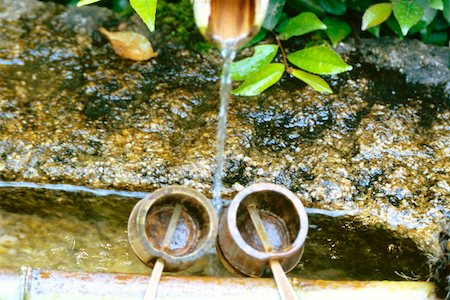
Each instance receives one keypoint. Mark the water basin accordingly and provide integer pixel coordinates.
(81, 231)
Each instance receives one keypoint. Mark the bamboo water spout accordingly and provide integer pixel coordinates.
(229, 24)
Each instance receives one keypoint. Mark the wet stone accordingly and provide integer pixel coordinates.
(71, 111)
(14, 10)
(419, 63)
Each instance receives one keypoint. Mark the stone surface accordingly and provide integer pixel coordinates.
(73, 112)
(419, 63)
(13, 10)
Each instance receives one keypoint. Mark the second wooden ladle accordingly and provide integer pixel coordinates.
(264, 227)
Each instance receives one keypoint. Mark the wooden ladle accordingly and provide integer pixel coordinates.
(264, 227)
(284, 286)
(170, 230)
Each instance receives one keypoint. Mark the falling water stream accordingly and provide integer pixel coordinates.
(225, 87)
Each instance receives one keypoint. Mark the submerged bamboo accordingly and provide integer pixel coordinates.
(35, 284)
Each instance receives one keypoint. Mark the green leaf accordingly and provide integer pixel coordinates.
(429, 36)
(319, 60)
(439, 23)
(407, 13)
(274, 13)
(120, 5)
(376, 14)
(428, 12)
(446, 10)
(313, 81)
(146, 9)
(307, 5)
(392, 23)
(337, 30)
(437, 4)
(375, 31)
(260, 81)
(263, 55)
(418, 27)
(72, 3)
(299, 25)
(334, 7)
(256, 39)
(86, 2)
(359, 5)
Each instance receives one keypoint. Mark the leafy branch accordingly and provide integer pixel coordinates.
(408, 17)
(404, 17)
(259, 72)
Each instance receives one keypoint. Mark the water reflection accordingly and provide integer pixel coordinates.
(63, 230)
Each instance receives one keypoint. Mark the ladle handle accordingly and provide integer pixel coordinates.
(152, 287)
(172, 226)
(260, 229)
(284, 286)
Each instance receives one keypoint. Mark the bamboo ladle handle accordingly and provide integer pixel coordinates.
(152, 286)
(285, 288)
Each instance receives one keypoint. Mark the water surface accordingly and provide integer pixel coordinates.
(56, 229)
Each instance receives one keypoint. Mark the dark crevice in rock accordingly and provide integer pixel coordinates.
(235, 172)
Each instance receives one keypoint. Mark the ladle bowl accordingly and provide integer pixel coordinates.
(194, 234)
(284, 219)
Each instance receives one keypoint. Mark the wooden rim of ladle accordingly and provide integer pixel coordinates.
(137, 226)
(248, 249)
